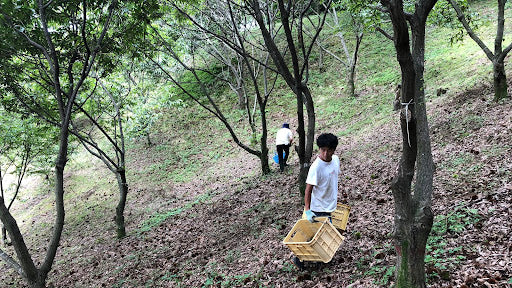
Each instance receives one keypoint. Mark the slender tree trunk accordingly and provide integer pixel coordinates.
(351, 81)
(310, 137)
(265, 168)
(59, 202)
(148, 140)
(123, 192)
(500, 81)
(242, 100)
(499, 77)
(27, 268)
(352, 66)
(497, 58)
(306, 139)
(295, 78)
(4, 236)
(321, 67)
(304, 164)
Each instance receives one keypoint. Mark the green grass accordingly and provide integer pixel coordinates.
(158, 218)
(90, 200)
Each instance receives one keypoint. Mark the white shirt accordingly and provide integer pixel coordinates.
(283, 136)
(324, 178)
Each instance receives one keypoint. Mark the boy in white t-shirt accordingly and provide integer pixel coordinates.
(321, 195)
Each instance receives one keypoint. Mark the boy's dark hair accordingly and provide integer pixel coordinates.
(327, 140)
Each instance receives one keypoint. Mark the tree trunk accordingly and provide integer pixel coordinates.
(242, 100)
(296, 80)
(265, 168)
(148, 140)
(352, 66)
(500, 81)
(413, 212)
(310, 137)
(123, 192)
(321, 67)
(304, 164)
(4, 236)
(308, 140)
(351, 82)
(27, 268)
(60, 164)
(39, 283)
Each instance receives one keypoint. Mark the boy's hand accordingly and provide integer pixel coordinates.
(310, 215)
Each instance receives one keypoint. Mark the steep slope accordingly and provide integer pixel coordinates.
(225, 228)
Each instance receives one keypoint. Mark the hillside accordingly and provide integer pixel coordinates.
(199, 213)
(230, 224)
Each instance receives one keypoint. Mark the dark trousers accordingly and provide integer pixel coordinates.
(280, 150)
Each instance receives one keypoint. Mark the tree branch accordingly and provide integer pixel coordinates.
(462, 19)
(11, 262)
(390, 37)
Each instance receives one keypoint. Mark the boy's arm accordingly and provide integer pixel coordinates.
(307, 197)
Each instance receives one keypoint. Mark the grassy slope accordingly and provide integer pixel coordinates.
(194, 174)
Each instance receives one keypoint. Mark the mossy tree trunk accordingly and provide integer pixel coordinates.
(500, 80)
(123, 192)
(413, 206)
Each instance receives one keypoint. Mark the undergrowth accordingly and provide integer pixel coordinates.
(158, 218)
(441, 257)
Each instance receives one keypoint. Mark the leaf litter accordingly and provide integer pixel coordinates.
(233, 237)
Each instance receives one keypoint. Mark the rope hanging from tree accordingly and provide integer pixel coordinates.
(407, 118)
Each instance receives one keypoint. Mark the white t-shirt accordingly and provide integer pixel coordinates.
(283, 136)
(324, 178)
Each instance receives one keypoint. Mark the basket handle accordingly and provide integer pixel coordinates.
(326, 219)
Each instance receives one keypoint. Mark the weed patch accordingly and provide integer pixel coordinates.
(158, 218)
(374, 266)
(441, 257)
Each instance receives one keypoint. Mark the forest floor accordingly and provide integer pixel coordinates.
(225, 228)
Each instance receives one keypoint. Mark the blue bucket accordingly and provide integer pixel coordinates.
(276, 157)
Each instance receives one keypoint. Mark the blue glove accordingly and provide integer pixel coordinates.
(310, 215)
